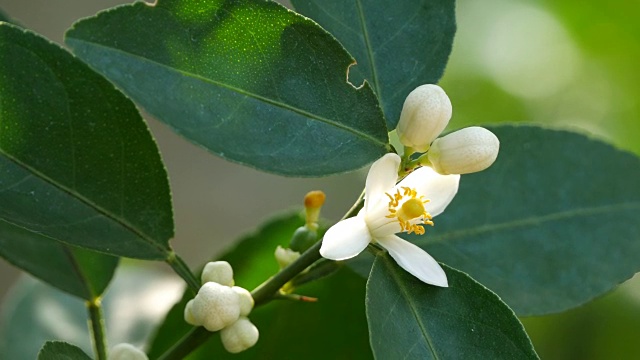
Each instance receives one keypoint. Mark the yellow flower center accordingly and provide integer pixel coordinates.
(406, 207)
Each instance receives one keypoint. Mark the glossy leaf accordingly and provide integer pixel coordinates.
(399, 45)
(412, 320)
(34, 312)
(288, 330)
(78, 271)
(77, 163)
(58, 350)
(551, 225)
(248, 80)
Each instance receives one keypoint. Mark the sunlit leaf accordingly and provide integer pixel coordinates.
(248, 80)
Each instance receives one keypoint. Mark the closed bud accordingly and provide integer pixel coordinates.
(218, 272)
(284, 257)
(245, 300)
(215, 307)
(303, 238)
(240, 336)
(425, 114)
(126, 352)
(464, 151)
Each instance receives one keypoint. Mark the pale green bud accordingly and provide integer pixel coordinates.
(284, 257)
(464, 151)
(425, 114)
(219, 272)
(126, 352)
(239, 336)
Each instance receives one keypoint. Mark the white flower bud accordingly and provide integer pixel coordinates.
(219, 272)
(126, 352)
(244, 299)
(240, 336)
(426, 112)
(215, 307)
(464, 151)
(285, 257)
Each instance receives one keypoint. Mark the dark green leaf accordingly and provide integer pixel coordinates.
(551, 225)
(332, 328)
(411, 320)
(248, 80)
(399, 45)
(77, 271)
(77, 163)
(34, 312)
(58, 350)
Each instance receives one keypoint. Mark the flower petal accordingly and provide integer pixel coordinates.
(382, 177)
(439, 189)
(415, 260)
(345, 239)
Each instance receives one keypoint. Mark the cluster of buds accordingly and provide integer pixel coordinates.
(221, 306)
(425, 114)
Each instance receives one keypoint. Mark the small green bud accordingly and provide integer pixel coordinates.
(303, 238)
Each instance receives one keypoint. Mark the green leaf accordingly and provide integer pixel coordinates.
(332, 328)
(77, 163)
(551, 225)
(34, 312)
(58, 350)
(248, 80)
(80, 272)
(412, 320)
(399, 45)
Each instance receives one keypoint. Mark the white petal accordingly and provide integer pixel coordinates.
(415, 260)
(345, 239)
(439, 189)
(382, 177)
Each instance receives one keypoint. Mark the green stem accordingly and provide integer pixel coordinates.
(180, 267)
(261, 295)
(188, 343)
(96, 327)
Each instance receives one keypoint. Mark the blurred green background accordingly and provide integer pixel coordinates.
(564, 63)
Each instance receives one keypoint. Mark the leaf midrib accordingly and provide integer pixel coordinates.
(269, 101)
(407, 297)
(82, 199)
(523, 222)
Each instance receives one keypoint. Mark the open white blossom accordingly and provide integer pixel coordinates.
(390, 209)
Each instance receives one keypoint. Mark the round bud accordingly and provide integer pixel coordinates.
(215, 307)
(284, 257)
(244, 299)
(302, 239)
(126, 352)
(464, 151)
(219, 272)
(425, 114)
(240, 336)
(188, 315)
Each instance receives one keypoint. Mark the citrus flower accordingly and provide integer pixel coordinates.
(390, 209)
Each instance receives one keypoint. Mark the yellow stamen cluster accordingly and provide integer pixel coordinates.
(411, 209)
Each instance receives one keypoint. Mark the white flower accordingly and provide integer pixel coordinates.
(390, 209)
(425, 113)
(239, 336)
(126, 351)
(464, 151)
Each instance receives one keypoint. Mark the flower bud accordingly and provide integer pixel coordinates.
(126, 352)
(215, 307)
(426, 112)
(244, 299)
(240, 336)
(219, 272)
(464, 151)
(284, 257)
